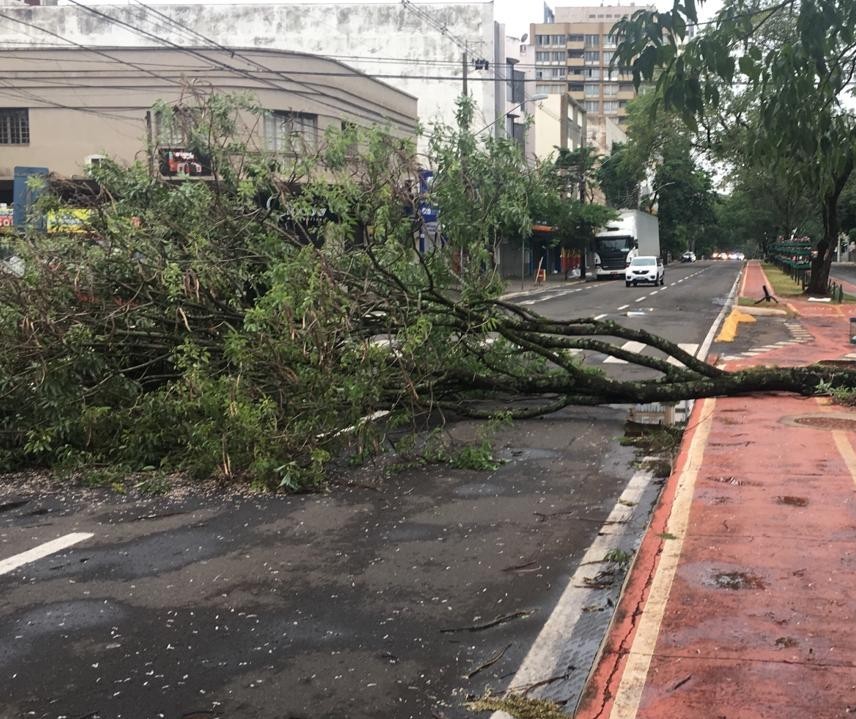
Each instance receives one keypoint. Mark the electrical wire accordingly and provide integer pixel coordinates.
(356, 108)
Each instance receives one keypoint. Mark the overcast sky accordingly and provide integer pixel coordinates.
(516, 14)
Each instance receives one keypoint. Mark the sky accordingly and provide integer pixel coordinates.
(515, 14)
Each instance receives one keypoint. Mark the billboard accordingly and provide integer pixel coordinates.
(181, 162)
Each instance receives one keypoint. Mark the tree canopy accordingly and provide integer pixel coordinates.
(776, 72)
(251, 323)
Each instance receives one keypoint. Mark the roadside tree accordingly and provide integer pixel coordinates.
(251, 324)
(794, 59)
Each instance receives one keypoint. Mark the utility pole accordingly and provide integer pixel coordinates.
(465, 63)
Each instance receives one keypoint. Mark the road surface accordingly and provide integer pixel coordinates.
(388, 596)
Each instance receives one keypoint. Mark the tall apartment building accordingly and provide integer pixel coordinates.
(573, 54)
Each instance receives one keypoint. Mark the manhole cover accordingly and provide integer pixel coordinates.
(841, 422)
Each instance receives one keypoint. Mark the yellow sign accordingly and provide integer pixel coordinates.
(68, 220)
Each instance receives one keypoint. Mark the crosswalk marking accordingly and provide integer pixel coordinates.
(637, 347)
(627, 347)
(687, 347)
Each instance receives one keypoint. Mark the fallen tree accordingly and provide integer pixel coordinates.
(219, 327)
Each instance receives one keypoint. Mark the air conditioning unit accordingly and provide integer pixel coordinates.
(93, 160)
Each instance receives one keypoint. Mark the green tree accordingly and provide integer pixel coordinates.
(795, 61)
(684, 197)
(220, 328)
(619, 175)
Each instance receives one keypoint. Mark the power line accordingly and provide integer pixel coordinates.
(83, 47)
(163, 41)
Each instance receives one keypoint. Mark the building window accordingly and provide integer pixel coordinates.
(518, 134)
(607, 56)
(592, 40)
(626, 87)
(592, 57)
(550, 73)
(558, 39)
(548, 89)
(14, 126)
(592, 106)
(575, 87)
(542, 40)
(518, 87)
(592, 73)
(610, 41)
(543, 56)
(576, 38)
(610, 106)
(290, 131)
(592, 89)
(610, 90)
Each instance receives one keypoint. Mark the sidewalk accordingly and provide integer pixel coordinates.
(742, 599)
(516, 288)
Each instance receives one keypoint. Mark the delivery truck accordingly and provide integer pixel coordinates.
(633, 233)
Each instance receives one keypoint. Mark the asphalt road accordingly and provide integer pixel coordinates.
(395, 595)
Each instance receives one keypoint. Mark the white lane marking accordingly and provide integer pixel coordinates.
(688, 347)
(43, 550)
(552, 642)
(631, 346)
(623, 307)
(600, 317)
(637, 301)
(654, 293)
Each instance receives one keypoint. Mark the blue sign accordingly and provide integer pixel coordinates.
(23, 196)
(428, 211)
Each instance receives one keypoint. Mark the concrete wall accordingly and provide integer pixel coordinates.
(80, 104)
(559, 122)
(364, 36)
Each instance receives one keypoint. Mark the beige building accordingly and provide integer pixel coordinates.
(560, 123)
(574, 55)
(62, 109)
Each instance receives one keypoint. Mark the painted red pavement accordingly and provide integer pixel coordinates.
(760, 617)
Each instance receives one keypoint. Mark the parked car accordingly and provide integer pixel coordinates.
(688, 257)
(645, 268)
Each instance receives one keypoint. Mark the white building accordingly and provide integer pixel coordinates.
(416, 48)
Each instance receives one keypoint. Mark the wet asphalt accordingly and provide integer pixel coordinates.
(396, 596)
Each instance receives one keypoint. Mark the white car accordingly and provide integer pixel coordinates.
(645, 268)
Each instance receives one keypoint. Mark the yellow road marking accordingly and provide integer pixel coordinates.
(729, 327)
(845, 449)
(629, 692)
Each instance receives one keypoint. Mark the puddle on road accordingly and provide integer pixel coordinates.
(733, 481)
(738, 580)
(521, 454)
(793, 501)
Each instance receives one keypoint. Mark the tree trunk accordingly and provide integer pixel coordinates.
(822, 263)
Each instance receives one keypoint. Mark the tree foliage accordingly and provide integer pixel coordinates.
(792, 63)
(219, 327)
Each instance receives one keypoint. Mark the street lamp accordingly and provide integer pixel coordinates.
(535, 98)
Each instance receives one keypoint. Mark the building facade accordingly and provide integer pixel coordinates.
(561, 124)
(574, 54)
(63, 109)
(418, 49)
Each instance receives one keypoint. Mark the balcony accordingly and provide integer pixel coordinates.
(578, 95)
(624, 95)
(576, 45)
(576, 62)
